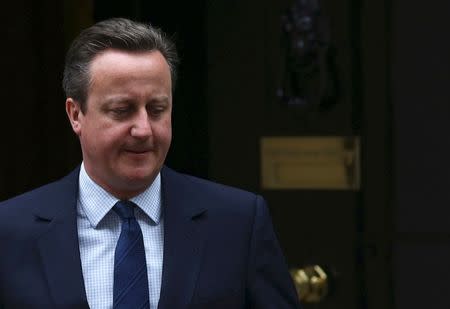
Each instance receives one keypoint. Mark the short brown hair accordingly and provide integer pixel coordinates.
(114, 33)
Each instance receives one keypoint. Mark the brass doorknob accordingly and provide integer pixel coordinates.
(311, 283)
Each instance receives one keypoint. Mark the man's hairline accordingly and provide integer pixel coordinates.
(84, 105)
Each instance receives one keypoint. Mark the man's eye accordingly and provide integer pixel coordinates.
(156, 110)
(120, 111)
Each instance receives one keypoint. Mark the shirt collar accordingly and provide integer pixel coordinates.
(97, 202)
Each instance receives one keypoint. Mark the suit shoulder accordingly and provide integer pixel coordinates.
(207, 185)
(26, 202)
(215, 195)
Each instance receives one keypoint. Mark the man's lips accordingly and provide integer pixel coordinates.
(139, 151)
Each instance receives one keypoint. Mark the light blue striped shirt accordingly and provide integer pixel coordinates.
(98, 232)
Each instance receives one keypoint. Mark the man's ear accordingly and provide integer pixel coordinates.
(73, 110)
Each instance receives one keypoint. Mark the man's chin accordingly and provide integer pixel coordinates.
(128, 186)
(140, 177)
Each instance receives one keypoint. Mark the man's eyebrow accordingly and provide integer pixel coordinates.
(116, 99)
(161, 98)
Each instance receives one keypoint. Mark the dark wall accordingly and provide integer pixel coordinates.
(421, 100)
(377, 172)
(37, 145)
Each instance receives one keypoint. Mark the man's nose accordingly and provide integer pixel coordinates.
(141, 127)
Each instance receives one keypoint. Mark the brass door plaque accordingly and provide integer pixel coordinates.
(323, 163)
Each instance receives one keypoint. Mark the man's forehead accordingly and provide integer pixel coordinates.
(127, 98)
(117, 63)
(122, 54)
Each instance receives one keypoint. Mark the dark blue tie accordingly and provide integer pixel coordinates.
(130, 268)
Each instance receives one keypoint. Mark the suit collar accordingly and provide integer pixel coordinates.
(184, 221)
(96, 202)
(176, 189)
(58, 246)
(64, 191)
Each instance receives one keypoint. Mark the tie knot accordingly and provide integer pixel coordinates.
(124, 209)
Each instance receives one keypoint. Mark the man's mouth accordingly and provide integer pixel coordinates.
(139, 151)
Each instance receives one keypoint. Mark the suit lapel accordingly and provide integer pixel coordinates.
(58, 246)
(184, 218)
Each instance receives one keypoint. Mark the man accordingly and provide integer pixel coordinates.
(123, 230)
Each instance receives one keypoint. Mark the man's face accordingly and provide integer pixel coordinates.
(125, 132)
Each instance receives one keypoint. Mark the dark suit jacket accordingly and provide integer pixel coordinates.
(220, 250)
